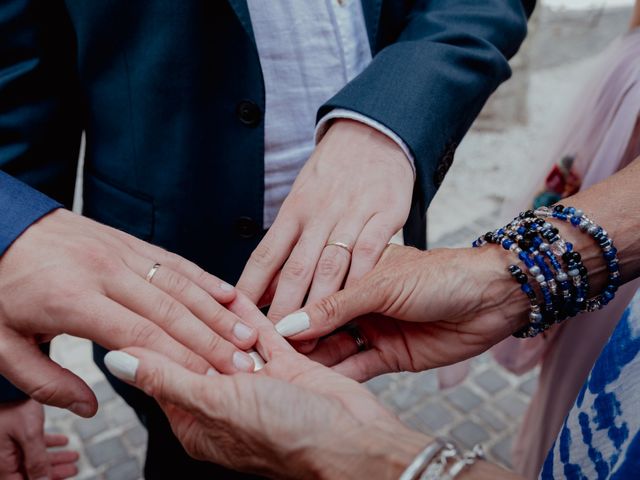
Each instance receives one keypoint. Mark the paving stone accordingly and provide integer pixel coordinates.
(491, 419)
(137, 436)
(122, 414)
(430, 418)
(491, 381)
(379, 384)
(511, 405)
(54, 413)
(90, 427)
(425, 382)
(107, 451)
(501, 451)
(529, 387)
(463, 399)
(129, 470)
(404, 397)
(469, 433)
(104, 392)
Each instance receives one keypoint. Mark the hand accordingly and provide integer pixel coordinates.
(356, 188)
(23, 445)
(293, 419)
(418, 310)
(68, 274)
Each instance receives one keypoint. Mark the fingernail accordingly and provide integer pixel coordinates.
(226, 287)
(81, 409)
(241, 331)
(293, 324)
(243, 362)
(211, 373)
(258, 361)
(122, 365)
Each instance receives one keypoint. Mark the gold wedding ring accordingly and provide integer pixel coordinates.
(340, 244)
(152, 272)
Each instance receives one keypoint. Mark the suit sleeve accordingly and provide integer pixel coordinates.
(430, 82)
(39, 119)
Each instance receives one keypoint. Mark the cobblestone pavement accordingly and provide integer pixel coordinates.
(487, 406)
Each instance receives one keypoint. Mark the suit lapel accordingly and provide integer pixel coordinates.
(371, 11)
(242, 12)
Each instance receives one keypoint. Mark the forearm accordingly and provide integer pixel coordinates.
(385, 452)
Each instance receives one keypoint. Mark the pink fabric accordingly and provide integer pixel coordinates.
(603, 138)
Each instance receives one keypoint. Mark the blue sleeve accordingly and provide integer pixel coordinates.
(429, 81)
(21, 206)
(40, 119)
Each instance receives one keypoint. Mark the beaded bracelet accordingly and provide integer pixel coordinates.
(579, 220)
(537, 244)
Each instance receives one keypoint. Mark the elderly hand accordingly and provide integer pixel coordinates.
(24, 444)
(293, 419)
(68, 274)
(355, 189)
(417, 310)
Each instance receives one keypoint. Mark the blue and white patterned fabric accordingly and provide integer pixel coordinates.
(600, 438)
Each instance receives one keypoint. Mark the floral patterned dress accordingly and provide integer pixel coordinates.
(600, 438)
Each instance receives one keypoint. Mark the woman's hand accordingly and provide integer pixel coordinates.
(24, 445)
(355, 189)
(417, 310)
(293, 419)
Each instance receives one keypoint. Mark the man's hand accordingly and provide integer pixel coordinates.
(417, 310)
(355, 189)
(68, 274)
(23, 445)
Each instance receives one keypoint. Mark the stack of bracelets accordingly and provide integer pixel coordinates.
(557, 269)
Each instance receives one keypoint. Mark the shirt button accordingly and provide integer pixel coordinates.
(249, 113)
(247, 227)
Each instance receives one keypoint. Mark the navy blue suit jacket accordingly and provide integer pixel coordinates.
(170, 95)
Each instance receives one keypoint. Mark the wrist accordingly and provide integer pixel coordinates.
(383, 450)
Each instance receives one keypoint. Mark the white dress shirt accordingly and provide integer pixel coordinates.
(308, 51)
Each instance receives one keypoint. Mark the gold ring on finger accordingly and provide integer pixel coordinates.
(340, 244)
(152, 272)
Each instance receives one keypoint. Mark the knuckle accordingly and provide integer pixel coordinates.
(99, 259)
(329, 309)
(153, 382)
(214, 342)
(366, 248)
(60, 299)
(144, 334)
(178, 284)
(263, 256)
(170, 310)
(45, 392)
(329, 265)
(295, 270)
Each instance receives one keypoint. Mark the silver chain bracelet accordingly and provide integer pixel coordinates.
(432, 462)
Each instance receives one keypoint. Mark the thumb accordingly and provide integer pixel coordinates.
(26, 367)
(328, 313)
(163, 379)
(34, 451)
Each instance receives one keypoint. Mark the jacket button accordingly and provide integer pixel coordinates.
(249, 113)
(247, 227)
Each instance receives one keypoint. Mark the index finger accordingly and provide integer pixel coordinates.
(269, 341)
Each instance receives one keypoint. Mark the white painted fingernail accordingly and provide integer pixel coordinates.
(211, 373)
(258, 361)
(243, 362)
(122, 365)
(241, 331)
(293, 324)
(226, 287)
